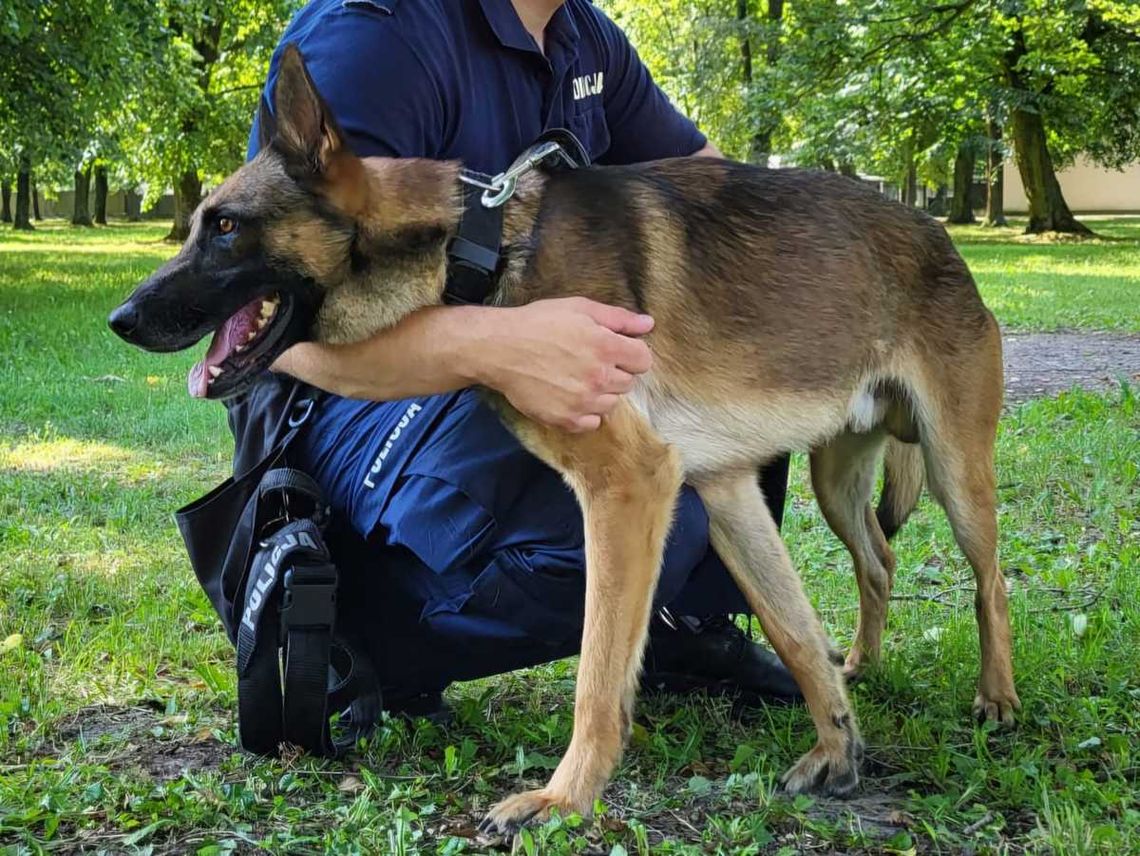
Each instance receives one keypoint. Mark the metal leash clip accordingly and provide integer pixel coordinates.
(502, 186)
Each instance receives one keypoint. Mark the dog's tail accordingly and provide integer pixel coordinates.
(903, 476)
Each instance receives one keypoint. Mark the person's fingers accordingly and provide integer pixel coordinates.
(617, 319)
(619, 381)
(629, 355)
(589, 422)
(605, 403)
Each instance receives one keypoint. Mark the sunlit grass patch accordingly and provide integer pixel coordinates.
(1045, 286)
(65, 453)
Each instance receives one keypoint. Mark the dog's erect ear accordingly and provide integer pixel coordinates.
(266, 124)
(306, 131)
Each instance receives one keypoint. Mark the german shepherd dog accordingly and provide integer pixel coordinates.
(795, 310)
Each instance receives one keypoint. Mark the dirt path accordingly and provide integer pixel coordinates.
(1042, 364)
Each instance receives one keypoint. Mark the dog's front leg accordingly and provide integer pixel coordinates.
(626, 481)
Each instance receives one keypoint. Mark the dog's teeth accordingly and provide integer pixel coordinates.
(267, 309)
(215, 371)
(251, 336)
(261, 322)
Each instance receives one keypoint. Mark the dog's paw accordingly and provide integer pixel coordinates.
(996, 706)
(830, 770)
(859, 661)
(517, 810)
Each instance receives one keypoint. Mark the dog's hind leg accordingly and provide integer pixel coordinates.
(745, 536)
(958, 435)
(843, 477)
(626, 480)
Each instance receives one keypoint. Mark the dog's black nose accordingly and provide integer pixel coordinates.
(124, 320)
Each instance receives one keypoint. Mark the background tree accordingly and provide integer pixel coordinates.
(1073, 77)
(996, 153)
(961, 203)
(64, 63)
(187, 121)
(890, 87)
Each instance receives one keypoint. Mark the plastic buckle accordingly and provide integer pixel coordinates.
(311, 603)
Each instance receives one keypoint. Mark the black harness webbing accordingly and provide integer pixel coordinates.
(474, 255)
(274, 584)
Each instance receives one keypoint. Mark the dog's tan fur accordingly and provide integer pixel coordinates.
(795, 311)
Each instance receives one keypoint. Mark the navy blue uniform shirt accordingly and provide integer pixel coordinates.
(463, 79)
(479, 541)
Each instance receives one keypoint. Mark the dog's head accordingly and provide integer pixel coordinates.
(264, 247)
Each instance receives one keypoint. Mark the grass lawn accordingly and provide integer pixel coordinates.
(117, 690)
(1041, 285)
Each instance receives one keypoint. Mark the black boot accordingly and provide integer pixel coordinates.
(687, 654)
(413, 705)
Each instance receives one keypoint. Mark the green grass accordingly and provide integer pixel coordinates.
(1044, 285)
(117, 699)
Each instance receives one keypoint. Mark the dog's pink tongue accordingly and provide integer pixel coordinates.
(198, 381)
(226, 339)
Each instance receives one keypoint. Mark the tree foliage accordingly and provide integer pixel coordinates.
(152, 91)
(198, 91)
(902, 88)
(161, 92)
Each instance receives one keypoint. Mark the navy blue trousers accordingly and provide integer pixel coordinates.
(463, 552)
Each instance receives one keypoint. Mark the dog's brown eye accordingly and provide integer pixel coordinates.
(226, 225)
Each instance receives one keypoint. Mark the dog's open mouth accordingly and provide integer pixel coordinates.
(245, 345)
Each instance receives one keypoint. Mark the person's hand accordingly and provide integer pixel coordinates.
(564, 362)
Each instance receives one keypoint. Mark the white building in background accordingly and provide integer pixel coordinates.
(1088, 188)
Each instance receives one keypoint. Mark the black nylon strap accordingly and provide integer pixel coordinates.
(571, 145)
(260, 726)
(289, 479)
(305, 710)
(290, 600)
(473, 254)
(231, 534)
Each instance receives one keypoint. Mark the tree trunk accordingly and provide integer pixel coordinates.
(23, 192)
(81, 212)
(761, 144)
(36, 202)
(936, 207)
(6, 200)
(961, 206)
(1048, 211)
(995, 177)
(101, 195)
(132, 206)
(910, 183)
(187, 195)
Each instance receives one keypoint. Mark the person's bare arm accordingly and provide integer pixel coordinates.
(563, 362)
